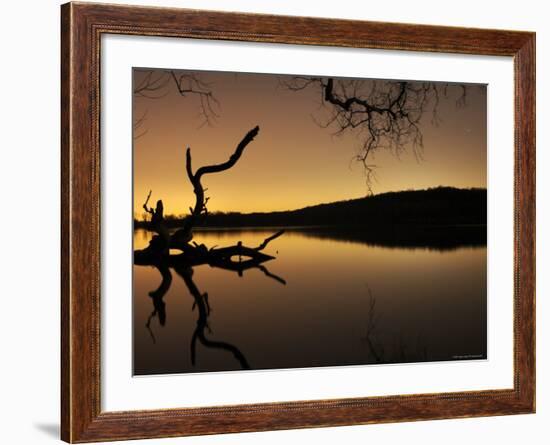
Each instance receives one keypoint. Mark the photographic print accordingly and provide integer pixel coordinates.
(298, 221)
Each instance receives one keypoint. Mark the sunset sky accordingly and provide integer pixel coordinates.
(293, 162)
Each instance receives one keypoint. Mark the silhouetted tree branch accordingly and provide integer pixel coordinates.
(192, 84)
(156, 84)
(269, 239)
(138, 125)
(384, 114)
(199, 211)
(152, 85)
(193, 253)
(157, 224)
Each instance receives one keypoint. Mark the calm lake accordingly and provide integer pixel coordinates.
(326, 300)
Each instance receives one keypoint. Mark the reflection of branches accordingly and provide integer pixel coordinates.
(201, 302)
(148, 326)
(384, 114)
(159, 307)
(270, 275)
(399, 350)
(183, 265)
(372, 322)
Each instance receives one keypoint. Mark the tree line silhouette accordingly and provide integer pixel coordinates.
(436, 206)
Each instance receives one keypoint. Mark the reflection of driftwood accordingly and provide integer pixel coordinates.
(372, 321)
(184, 269)
(271, 275)
(159, 307)
(399, 351)
(201, 302)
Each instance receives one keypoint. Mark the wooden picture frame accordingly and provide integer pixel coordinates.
(82, 26)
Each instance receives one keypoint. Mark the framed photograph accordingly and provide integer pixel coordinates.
(275, 222)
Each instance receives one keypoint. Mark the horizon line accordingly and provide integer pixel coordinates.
(184, 215)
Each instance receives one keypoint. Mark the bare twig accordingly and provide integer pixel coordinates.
(145, 207)
(155, 84)
(200, 210)
(269, 239)
(384, 115)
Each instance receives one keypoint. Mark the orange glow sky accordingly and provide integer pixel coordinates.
(293, 162)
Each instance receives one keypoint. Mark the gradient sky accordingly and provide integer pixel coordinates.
(293, 162)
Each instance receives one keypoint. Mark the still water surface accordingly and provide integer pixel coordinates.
(345, 302)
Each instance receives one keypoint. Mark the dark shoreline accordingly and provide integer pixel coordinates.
(442, 206)
(435, 237)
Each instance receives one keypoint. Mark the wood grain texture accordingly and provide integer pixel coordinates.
(65, 227)
(82, 27)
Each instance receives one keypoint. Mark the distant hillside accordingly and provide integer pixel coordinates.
(436, 206)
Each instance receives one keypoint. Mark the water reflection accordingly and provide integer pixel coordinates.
(157, 296)
(201, 303)
(348, 302)
(401, 350)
